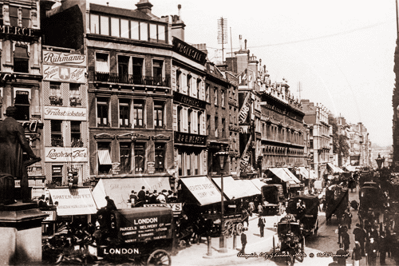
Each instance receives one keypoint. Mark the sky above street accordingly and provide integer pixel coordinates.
(341, 52)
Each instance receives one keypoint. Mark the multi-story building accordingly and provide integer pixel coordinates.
(316, 116)
(129, 62)
(360, 145)
(64, 101)
(189, 106)
(21, 74)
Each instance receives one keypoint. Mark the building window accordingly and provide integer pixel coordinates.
(21, 102)
(158, 114)
(216, 127)
(115, 27)
(25, 17)
(14, 16)
(76, 140)
(223, 128)
(124, 28)
(157, 66)
(139, 157)
(102, 67)
(215, 93)
(153, 32)
(102, 111)
(104, 26)
(143, 31)
(199, 122)
(189, 113)
(137, 70)
(74, 94)
(222, 99)
(21, 59)
(207, 93)
(134, 30)
(56, 133)
(124, 112)
(161, 33)
(123, 63)
(159, 157)
(125, 157)
(104, 158)
(189, 85)
(55, 93)
(198, 88)
(56, 175)
(138, 113)
(94, 24)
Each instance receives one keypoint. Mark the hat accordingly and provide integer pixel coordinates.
(11, 111)
(143, 187)
(358, 225)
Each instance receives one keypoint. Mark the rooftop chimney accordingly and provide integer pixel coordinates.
(179, 9)
(178, 25)
(240, 40)
(144, 6)
(245, 41)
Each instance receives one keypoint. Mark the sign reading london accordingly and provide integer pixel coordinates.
(65, 113)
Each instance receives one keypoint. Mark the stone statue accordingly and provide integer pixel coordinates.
(12, 145)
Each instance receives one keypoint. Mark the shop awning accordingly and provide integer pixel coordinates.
(119, 189)
(280, 173)
(104, 158)
(335, 169)
(77, 201)
(258, 183)
(291, 175)
(306, 173)
(350, 168)
(231, 187)
(202, 189)
(249, 188)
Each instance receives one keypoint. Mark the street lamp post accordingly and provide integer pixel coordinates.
(222, 154)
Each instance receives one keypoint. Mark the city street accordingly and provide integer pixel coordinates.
(317, 246)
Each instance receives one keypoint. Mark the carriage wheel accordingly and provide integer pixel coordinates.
(239, 228)
(159, 257)
(182, 244)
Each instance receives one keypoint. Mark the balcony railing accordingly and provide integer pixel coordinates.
(132, 79)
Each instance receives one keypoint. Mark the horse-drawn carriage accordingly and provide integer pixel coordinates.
(139, 235)
(371, 202)
(336, 202)
(305, 208)
(272, 199)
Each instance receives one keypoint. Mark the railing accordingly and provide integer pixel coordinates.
(132, 79)
(57, 142)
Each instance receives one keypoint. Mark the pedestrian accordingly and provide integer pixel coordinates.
(161, 197)
(340, 230)
(345, 239)
(147, 196)
(261, 225)
(245, 216)
(243, 240)
(341, 256)
(356, 254)
(133, 199)
(371, 252)
(360, 236)
(110, 204)
(153, 198)
(260, 209)
(348, 218)
(251, 207)
(141, 195)
(382, 245)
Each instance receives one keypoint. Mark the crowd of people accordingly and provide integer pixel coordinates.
(137, 199)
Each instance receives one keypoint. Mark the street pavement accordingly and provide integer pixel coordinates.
(317, 248)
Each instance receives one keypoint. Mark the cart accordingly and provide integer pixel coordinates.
(337, 200)
(272, 199)
(308, 215)
(141, 235)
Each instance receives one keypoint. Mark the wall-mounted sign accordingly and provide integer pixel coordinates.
(245, 109)
(61, 154)
(57, 58)
(73, 201)
(189, 51)
(64, 74)
(65, 113)
(189, 100)
(151, 167)
(12, 30)
(190, 138)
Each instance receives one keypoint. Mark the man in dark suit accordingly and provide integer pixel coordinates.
(141, 195)
(13, 144)
(261, 225)
(360, 236)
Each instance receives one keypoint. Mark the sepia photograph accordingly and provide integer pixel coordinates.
(199, 133)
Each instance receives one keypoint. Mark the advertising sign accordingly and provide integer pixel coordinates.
(245, 109)
(176, 207)
(65, 113)
(64, 74)
(62, 154)
(202, 189)
(73, 201)
(58, 58)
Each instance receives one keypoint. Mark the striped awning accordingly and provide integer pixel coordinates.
(104, 158)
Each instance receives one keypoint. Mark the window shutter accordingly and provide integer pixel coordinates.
(194, 87)
(194, 123)
(202, 90)
(175, 117)
(203, 124)
(184, 83)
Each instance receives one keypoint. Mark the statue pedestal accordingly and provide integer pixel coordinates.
(21, 234)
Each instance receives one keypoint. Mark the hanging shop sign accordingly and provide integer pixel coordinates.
(65, 113)
(64, 74)
(245, 108)
(58, 58)
(62, 154)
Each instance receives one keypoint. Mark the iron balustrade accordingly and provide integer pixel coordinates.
(132, 79)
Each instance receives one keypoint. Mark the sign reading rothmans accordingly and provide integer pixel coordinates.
(65, 113)
(61, 154)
